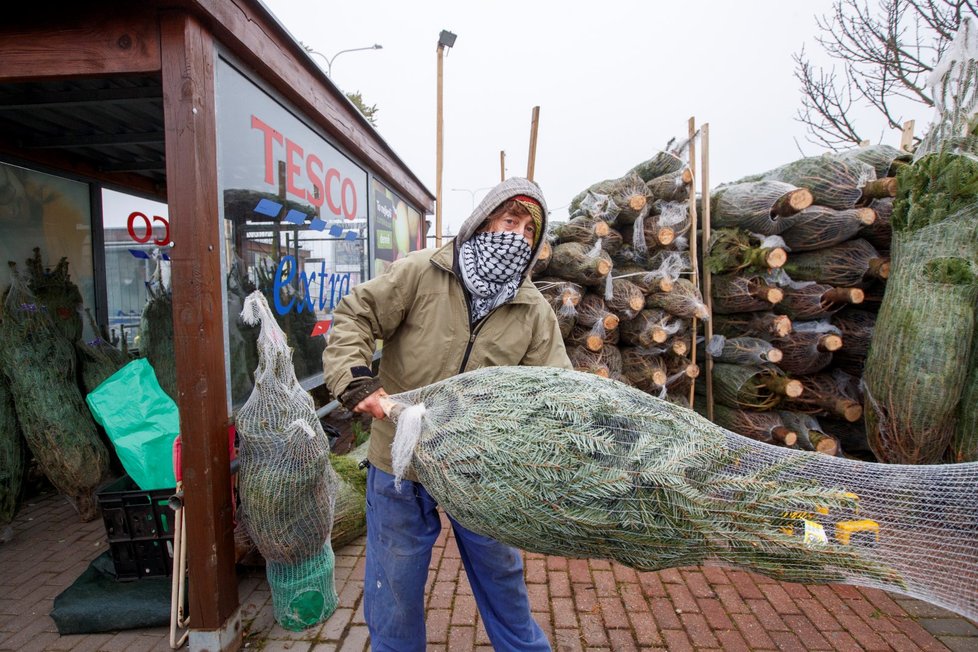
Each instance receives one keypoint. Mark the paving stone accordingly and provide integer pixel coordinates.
(677, 641)
(581, 605)
(959, 643)
(592, 630)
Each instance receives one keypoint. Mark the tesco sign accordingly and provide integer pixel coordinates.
(306, 176)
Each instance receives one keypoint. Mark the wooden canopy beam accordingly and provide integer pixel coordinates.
(198, 325)
(75, 41)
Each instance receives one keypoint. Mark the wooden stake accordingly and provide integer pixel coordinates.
(502, 165)
(906, 138)
(438, 148)
(531, 159)
(694, 277)
(707, 276)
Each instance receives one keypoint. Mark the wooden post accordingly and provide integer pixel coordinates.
(694, 276)
(502, 165)
(534, 126)
(198, 318)
(707, 276)
(906, 138)
(438, 147)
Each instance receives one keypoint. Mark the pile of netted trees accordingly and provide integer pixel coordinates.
(617, 274)
(798, 258)
(46, 367)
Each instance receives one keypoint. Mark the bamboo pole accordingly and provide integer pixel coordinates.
(692, 248)
(502, 165)
(438, 146)
(707, 275)
(532, 157)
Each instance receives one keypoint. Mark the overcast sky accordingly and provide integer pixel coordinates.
(614, 80)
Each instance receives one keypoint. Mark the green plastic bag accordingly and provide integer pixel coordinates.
(141, 420)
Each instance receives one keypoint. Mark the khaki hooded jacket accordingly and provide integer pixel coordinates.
(419, 308)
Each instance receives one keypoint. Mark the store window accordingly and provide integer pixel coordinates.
(53, 215)
(136, 233)
(397, 228)
(295, 225)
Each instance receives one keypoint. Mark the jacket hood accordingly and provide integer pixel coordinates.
(506, 190)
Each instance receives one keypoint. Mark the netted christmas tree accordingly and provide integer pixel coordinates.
(920, 372)
(39, 363)
(288, 487)
(565, 463)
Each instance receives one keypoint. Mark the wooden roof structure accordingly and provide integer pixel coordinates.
(123, 94)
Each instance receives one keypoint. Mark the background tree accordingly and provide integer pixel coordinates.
(368, 111)
(884, 55)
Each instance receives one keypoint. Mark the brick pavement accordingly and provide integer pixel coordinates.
(582, 605)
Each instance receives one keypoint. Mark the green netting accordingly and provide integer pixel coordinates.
(964, 441)
(303, 593)
(565, 463)
(917, 363)
(40, 364)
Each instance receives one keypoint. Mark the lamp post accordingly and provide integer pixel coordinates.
(445, 40)
(329, 60)
(472, 192)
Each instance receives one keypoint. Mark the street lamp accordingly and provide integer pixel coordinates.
(329, 60)
(472, 192)
(445, 40)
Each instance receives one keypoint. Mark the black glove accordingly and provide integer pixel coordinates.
(358, 390)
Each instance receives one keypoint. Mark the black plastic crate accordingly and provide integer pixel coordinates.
(139, 528)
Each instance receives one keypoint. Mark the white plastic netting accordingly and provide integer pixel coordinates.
(287, 486)
(566, 463)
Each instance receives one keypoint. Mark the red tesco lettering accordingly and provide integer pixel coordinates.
(339, 193)
(147, 229)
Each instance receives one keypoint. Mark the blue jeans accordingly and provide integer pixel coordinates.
(401, 530)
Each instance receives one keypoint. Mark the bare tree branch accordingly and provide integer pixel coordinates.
(885, 53)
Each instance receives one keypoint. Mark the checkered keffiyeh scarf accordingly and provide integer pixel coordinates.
(492, 266)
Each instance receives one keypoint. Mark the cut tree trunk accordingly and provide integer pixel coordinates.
(818, 227)
(571, 261)
(811, 436)
(583, 229)
(627, 299)
(683, 301)
(816, 301)
(743, 350)
(734, 293)
(765, 207)
(829, 393)
(671, 187)
(806, 351)
(762, 426)
(644, 369)
(752, 388)
(650, 328)
(732, 250)
(755, 324)
(854, 263)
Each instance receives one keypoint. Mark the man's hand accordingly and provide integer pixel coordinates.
(371, 405)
